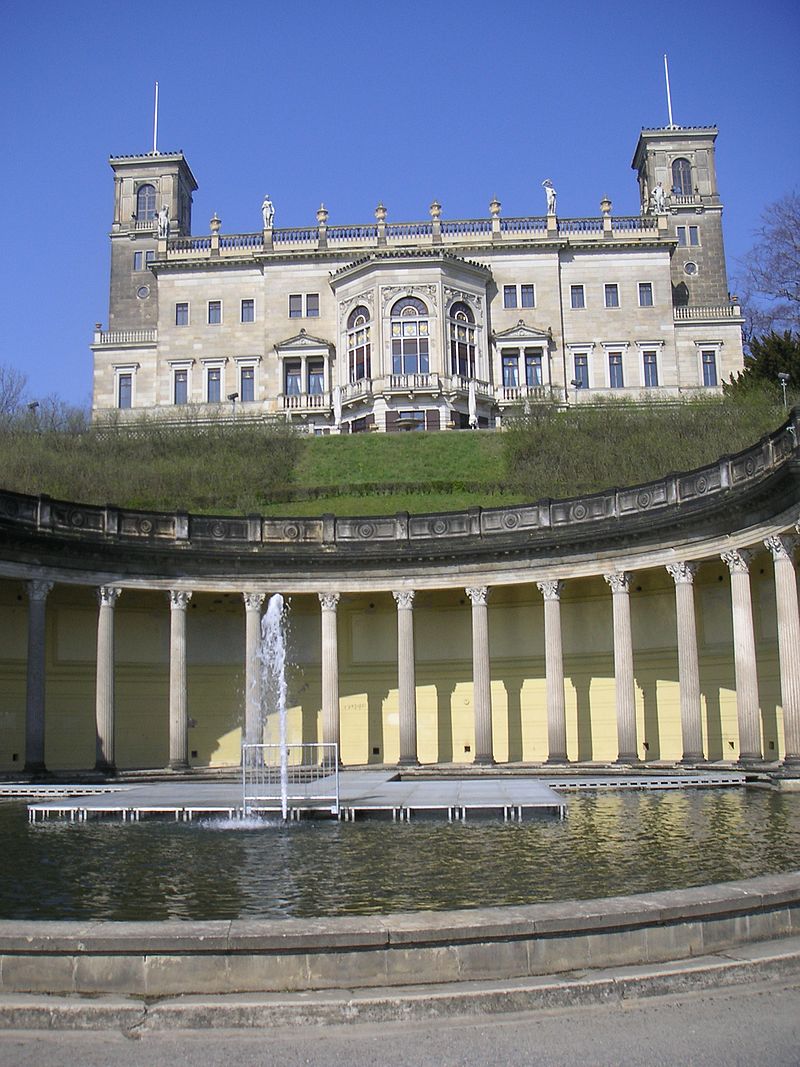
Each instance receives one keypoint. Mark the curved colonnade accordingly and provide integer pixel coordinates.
(743, 508)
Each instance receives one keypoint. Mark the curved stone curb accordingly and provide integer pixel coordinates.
(155, 960)
(771, 961)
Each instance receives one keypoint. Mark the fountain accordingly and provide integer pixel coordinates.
(272, 658)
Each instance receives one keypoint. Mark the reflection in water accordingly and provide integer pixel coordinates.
(609, 843)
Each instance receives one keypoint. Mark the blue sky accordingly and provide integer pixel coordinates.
(353, 102)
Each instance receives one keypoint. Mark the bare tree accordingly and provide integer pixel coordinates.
(770, 275)
(12, 391)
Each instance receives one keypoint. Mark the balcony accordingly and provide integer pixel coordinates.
(146, 336)
(303, 403)
(708, 313)
(530, 394)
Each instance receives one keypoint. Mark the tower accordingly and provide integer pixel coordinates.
(143, 185)
(682, 160)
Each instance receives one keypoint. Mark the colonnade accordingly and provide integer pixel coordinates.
(781, 548)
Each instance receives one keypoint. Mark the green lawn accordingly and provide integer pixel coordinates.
(275, 471)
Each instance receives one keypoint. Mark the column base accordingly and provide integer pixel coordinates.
(35, 768)
(556, 760)
(102, 767)
(633, 759)
(483, 761)
(178, 765)
(755, 760)
(693, 758)
(408, 761)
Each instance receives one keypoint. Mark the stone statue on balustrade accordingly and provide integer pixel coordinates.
(163, 222)
(550, 193)
(267, 212)
(658, 200)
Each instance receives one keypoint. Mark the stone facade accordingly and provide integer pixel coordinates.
(423, 325)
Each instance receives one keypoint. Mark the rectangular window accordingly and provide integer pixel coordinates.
(709, 367)
(316, 377)
(125, 391)
(412, 420)
(296, 306)
(510, 369)
(247, 387)
(181, 386)
(577, 298)
(181, 314)
(248, 311)
(528, 296)
(149, 257)
(292, 373)
(615, 370)
(581, 379)
(214, 312)
(650, 369)
(509, 296)
(214, 389)
(694, 235)
(312, 305)
(612, 295)
(137, 260)
(681, 232)
(533, 366)
(645, 294)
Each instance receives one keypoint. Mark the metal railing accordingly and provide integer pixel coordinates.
(292, 777)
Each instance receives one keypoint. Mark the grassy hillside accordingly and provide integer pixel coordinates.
(274, 471)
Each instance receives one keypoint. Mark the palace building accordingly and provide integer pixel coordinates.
(436, 324)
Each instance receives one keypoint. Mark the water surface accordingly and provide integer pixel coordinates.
(610, 843)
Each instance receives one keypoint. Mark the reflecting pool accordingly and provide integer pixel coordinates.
(610, 843)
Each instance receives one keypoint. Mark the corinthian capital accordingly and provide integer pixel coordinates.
(38, 589)
(738, 560)
(404, 598)
(550, 590)
(328, 601)
(478, 595)
(682, 573)
(107, 595)
(253, 601)
(781, 546)
(179, 598)
(620, 581)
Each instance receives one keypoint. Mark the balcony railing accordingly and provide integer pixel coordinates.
(707, 311)
(126, 337)
(514, 394)
(305, 401)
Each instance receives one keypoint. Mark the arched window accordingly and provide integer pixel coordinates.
(681, 177)
(461, 323)
(359, 345)
(410, 333)
(146, 203)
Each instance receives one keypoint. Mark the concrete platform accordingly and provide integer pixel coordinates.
(361, 794)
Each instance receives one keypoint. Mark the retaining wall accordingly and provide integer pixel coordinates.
(240, 956)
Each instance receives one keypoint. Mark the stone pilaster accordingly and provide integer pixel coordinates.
(253, 603)
(623, 667)
(329, 602)
(104, 686)
(35, 692)
(554, 672)
(178, 698)
(688, 664)
(406, 677)
(744, 651)
(481, 675)
(782, 548)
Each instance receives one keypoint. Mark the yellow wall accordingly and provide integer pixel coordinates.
(368, 673)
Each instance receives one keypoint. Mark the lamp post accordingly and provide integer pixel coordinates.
(783, 378)
(233, 397)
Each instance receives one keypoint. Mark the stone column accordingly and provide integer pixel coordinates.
(35, 693)
(329, 602)
(104, 685)
(406, 678)
(688, 666)
(554, 672)
(481, 675)
(178, 703)
(748, 710)
(623, 667)
(253, 603)
(782, 548)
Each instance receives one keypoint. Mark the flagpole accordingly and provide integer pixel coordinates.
(155, 123)
(669, 95)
